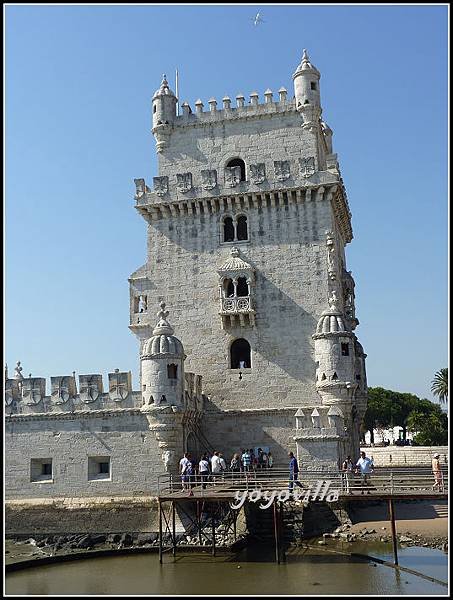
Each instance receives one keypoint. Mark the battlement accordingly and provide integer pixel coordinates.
(27, 396)
(255, 108)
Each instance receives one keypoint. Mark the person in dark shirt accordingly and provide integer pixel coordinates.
(293, 472)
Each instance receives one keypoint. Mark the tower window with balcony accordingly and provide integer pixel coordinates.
(240, 354)
(236, 278)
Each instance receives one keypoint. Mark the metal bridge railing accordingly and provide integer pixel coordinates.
(380, 481)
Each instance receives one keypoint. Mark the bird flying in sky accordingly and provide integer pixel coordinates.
(257, 19)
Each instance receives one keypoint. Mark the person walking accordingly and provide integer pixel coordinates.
(365, 466)
(293, 472)
(437, 472)
(185, 468)
(223, 466)
(203, 470)
(347, 469)
(235, 465)
(246, 461)
(216, 466)
(270, 460)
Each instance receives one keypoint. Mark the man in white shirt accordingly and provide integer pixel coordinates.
(203, 469)
(216, 465)
(365, 466)
(185, 469)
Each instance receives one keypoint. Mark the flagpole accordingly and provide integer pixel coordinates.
(177, 93)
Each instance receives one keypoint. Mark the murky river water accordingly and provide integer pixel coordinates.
(249, 572)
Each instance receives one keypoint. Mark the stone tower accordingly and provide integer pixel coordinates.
(246, 232)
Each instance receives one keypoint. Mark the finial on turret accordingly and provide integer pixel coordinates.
(163, 326)
(17, 371)
(333, 300)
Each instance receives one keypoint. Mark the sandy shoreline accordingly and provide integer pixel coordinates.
(426, 518)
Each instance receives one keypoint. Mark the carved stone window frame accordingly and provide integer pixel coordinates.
(234, 217)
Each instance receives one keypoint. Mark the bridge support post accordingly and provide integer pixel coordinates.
(160, 531)
(213, 534)
(394, 540)
(276, 536)
(173, 518)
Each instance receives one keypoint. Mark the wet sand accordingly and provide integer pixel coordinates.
(426, 518)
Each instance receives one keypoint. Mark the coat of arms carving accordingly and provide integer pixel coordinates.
(90, 387)
(62, 389)
(209, 179)
(307, 166)
(258, 173)
(184, 182)
(33, 390)
(282, 170)
(232, 176)
(160, 185)
(12, 391)
(140, 188)
(119, 386)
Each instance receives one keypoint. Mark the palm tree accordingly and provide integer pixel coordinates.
(439, 385)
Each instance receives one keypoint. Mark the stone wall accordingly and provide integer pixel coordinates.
(287, 249)
(406, 456)
(124, 437)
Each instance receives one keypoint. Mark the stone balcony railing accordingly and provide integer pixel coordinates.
(241, 304)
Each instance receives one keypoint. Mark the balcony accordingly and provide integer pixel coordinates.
(237, 311)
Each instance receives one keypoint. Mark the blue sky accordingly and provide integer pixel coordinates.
(79, 82)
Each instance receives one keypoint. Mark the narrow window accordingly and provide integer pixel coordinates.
(172, 371)
(228, 288)
(242, 233)
(313, 85)
(334, 377)
(41, 470)
(240, 354)
(345, 349)
(98, 468)
(238, 162)
(154, 109)
(323, 378)
(228, 230)
(242, 287)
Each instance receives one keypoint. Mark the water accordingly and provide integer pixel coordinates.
(305, 572)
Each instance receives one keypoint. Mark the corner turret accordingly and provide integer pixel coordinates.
(162, 365)
(306, 83)
(164, 113)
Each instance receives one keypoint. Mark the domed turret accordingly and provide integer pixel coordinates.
(162, 364)
(306, 83)
(334, 349)
(164, 105)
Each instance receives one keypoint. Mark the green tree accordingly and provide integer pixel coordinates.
(439, 385)
(431, 428)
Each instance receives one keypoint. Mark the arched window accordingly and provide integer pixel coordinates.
(228, 288)
(238, 162)
(240, 354)
(242, 287)
(172, 371)
(241, 228)
(228, 230)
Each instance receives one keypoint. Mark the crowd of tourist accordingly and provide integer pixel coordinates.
(212, 466)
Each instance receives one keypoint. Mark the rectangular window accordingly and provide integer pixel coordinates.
(345, 349)
(313, 85)
(41, 470)
(99, 468)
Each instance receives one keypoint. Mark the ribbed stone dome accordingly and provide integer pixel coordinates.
(164, 89)
(330, 322)
(162, 341)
